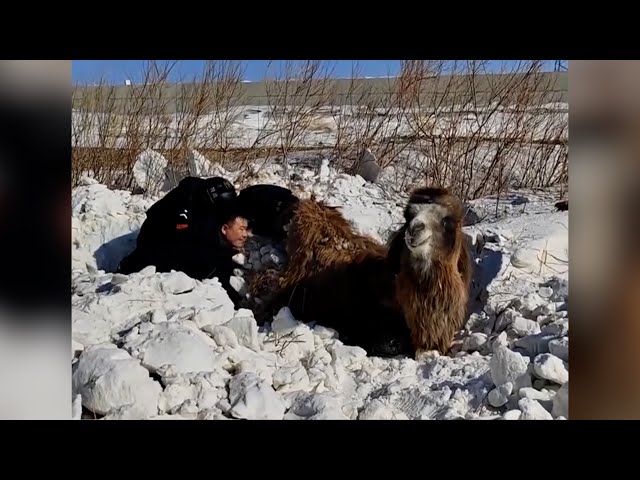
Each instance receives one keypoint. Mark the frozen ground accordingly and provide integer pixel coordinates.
(164, 346)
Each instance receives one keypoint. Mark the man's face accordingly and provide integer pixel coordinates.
(236, 232)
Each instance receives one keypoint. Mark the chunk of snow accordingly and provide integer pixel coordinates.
(500, 395)
(148, 170)
(284, 322)
(523, 327)
(534, 394)
(376, 410)
(509, 366)
(239, 258)
(238, 284)
(222, 335)
(529, 304)
(177, 282)
(549, 367)
(348, 357)
(532, 410)
(218, 315)
(253, 399)
(547, 254)
(246, 329)
(175, 395)
(287, 379)
(512, 415)
(474, 342)
(199, 165)
(319, 406)
(557, 328)
(108, 378)
(324, 332)
(187, 349)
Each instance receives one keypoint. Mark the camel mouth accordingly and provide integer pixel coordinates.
(413, 243)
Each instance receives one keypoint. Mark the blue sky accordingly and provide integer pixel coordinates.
(116, 71)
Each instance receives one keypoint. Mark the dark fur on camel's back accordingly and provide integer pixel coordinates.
(338, 278)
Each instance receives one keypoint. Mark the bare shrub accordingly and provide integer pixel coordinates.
(368, 116)
(450, 123)
(205, 112)
(475, 130)
(295, 94)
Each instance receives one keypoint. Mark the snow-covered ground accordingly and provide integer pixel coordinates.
(164, 346)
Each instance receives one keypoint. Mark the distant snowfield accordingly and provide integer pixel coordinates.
(164, 346)
(250, 125)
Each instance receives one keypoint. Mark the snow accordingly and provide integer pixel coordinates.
(376, 410)
(252, 398)
(165, 346)
(499, 396)
(508, 366)
(315, 407)
(244, 326)
(108, 378)
(178, 344)
(512, 415)
(104, 225)
(149, 170)
(549, 367)
(532, 410)
(248, 123)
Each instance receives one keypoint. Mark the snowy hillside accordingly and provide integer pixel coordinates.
(164, 346)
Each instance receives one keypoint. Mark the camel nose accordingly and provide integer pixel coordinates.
(415, 228)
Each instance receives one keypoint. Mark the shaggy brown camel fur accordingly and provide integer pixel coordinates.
(390, 301)
(337, 277)
(433, 268)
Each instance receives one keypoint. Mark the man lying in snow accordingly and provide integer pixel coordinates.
(192, 205)
(268, 208)
(195, 229)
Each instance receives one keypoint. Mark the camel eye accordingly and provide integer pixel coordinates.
(448, 223)
(409, 214)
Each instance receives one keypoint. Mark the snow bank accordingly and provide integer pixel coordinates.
(104, 225)
(170, 347)
(108, 379)
(149, 171)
